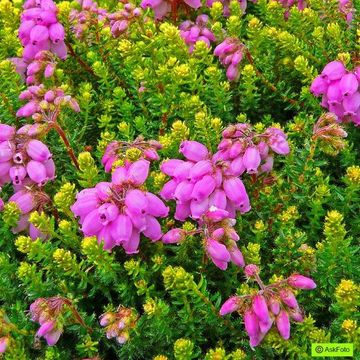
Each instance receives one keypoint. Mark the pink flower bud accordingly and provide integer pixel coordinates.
(138, 172)
(59, 49)
(301, 282)
(283, 324)
(37, 172)
(155, 206)
(49, 70)
(236, 256)
(194, 150)
(218, 199)
(24, 200)
(153, 229)
(45, 328)
(183, 191)
(198, 208)
(333, 70)
(203, 188)
(218, 234)
(182, 211)
(132, 246)
(168, 167)
(200, 169)
(230, 305)
(6, 151)
(319, 86)
(236, 192)
(260, 308)
(17, 174)
(56, 33)
(136, 202)
(38, 151)
(4, 342)
(52, 337)
(168, 190)
(251, 323)
(6, 132)
(174, 236)
(251, 159)
(251, 270)
(217, 251)
(121, 229)
(348, 84)
(288, 298)
(39, 34)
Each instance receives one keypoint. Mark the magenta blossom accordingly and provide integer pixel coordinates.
(117, 212)
(89, 16)
(198, 31)
(119, 324)
(230, 54)
(247, 151)
(28, 199)
(201, 182)
(162, 7)
(44, 104)
(40, 30)
(219, 238)
(274, 305)
(340, 93)
(23, 158)
(48, 313)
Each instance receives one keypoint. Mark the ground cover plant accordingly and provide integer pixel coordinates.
(179, 179)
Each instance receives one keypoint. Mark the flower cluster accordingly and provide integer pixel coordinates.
(246, 150)
(329, 133)
(118, 324)
(118, 212)
(48, 313)
(89, 16)
(43, 103)
(219, 236)
(120, 20)
(119, 151)
(23, 158)
(275, 303)
(347, 8)
(40, 29)
(44, 64)
(340, 91)
(201, 182)
(288, 4)
(198, 31)
(162, 7)
(29, 199)
(230, 53)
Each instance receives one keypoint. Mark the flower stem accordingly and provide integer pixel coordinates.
(64, 138)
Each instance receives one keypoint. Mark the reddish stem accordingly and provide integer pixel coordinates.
(64, 138)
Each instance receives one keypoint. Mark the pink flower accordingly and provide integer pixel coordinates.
(119, 211)
(283, 324)
(301, 282)
(174, 236)
(230, 305)
(193, 150)
(230, 53)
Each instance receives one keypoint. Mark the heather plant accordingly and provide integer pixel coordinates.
(172, 184)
